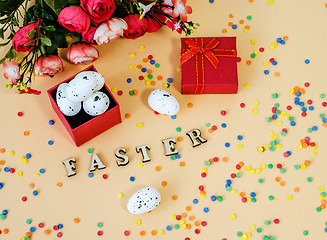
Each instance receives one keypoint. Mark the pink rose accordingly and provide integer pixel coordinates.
(82, 53)
(136, 27)
(11, 71)
(48, 66)
(153, 24)
(74, 19)
(88, 35)
(99, 10)
(110, 30)
(21, 38)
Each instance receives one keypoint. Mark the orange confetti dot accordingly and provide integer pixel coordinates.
(276, 74)
(188, 208)
(139, 66)
(282, 183)
(210, 130)
(241, 164)
(251, 1)
(127, 115)
(184, 215)
(142, 233)
(2, 150)
(230, 15)
(277, 179)
(285, 38)
(225, 159)
(242, 194)
(297, 88)
(248, 62)
(174, 197)
(149, 71)
(31, 185)
(188, 226)
(5, 231)
(164, 183)
(2, 162)
(136, 92)
(302, 141)
(180, 139)
(158, 168)
(197, 223)
(211, 160)
(304, 145)
(203, 192)
(190, 105)
(153, 83)
(247, 27)
(324, 201)
(241, 21)
(322, 206)
(28, 234)
(159, 77)
(296, 189)
(47, 231)
(324, 124)
(76, 220)
(182, 164)
(145, 60)
(26, 133)
(191, 218)
(307, 162)
(154, 232)
(224, 30)
(59, 184)
(230, 24)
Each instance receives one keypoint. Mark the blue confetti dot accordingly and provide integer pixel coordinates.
(132, 179)
(274, 116)
(253, 194)
(282, 42)
(42, 170)
(223, 125)
(301, 104)
(6, 169)
(211, 1)
(195, 201)
(326, 229)
(143, 69)
(239, 137)
(168, 85)
(173, 117)
(279, 40)
(50, 142)
(296, 99)
(298, 94)
(28, 155)
(266, 72)
(51, 122)
(1, 185)
(90, 175)
(35, 192)
(5, 212)
(274, 63)
(307, 61)
(32, 229)
(227, 144)
(170, 80)
(234, 26)
(293, 123)
(229, 181)
(178, 156)
(169, 228)
(311, 108)
(205, 209)
(60, 226)
(304, 109)
(129, 80)
(314, 128)
(324, 120)
(152, 62)
(213, 198)
(289, 153)
(227, 185)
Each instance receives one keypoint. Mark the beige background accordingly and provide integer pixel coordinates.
(96, 200)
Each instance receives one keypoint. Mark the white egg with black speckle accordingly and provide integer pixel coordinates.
(96, 104)
(98, 78)
(66, 106)
(163, 102)
(144, 200)
(81, 87)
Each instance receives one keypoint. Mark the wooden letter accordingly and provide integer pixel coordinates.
(144, 152)
(121, 156)
(96, 163)
(69, 164)
(169, 146)
(195, 136)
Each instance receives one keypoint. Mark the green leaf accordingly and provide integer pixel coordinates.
(58, 4)
(58, 41)
(2, 60)
(49, 28)
(29, 43)
(74, 2)
(9, 6)
(2, 21)
(1, 33)
(31, 33)
(46, 41)
(51, 4)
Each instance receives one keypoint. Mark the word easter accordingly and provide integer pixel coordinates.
(123, 160)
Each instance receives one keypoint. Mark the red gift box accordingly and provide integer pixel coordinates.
(209, 65)
(83, 127)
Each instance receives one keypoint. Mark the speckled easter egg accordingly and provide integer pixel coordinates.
(96, 104)
(163, 102)
(144, 200)
(81, 87)
(66, 106)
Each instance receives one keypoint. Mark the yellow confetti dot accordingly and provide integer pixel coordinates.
(270, 2)
(314, 153)
(130, 66)
(248, 168)
(160, 232)
(146, 78)
(140, 165)
(232, 216)
(303, 166)
(255, 111)
(132, 54)
(289, 197)
(202, 196)
(114, 90)
(271, 47)
(279, 146)
(253, 41)
(263, 166)
(138, 222)
(178, 69)
(299, 147)
(252, 171)
(141, 47)
(136, 68)
(321, 188)
(266, 146)
(182, 221)
(165, 85)
(321, 197)
(234, 191)
(25, 160)
(173, 217)
(257, 171)
(271, 133)
(256, 52)
(37, 175)
(314, 148)
(245, 30)
(248, 235)
(120, 195)
(148, 82)
(183, 226)
(247, 85)
(275, 136)
(239, 146)
(260, 149)
(252, 227)
(19, 174)
(139, 125)
(274, 44)
(244, 236)
(11, 153)
(292, 91)
(256, 103)
(205, 170)
(265, 63)
(279, 123)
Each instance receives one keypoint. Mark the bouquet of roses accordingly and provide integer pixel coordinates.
(41, 28)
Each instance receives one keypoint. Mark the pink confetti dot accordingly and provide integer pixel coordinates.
(100, 233)
(59, 234)
(214, 127)
(127, 233)
(197, 231)
(215, 159)
(24, 199)
(41, 225)
(201, 187)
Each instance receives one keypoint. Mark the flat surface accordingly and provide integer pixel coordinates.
(96, 200)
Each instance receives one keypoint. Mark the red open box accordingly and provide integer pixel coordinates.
(83, 127)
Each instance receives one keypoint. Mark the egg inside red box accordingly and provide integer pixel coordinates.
(83, 127)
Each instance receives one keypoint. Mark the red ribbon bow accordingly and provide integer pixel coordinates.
(206, 51)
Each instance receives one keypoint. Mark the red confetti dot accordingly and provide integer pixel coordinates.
(285, 154)
(223, 112)
(203, 174)
(289, 108)
(150, 57)
(306, 84)
(307, 139)
(261, 49)
(242, 105)
(120, 92)
(215, 159)
(24, 199)
(312, 144)
(233, 175)
(272, 60)
(324, 104)
(201, 187)
(244, 199)
(276, 221)
(20, 114)
(105, 176)
(178, 217)
(284, 130)
(238, 167)
(279, 165)
(12, 170)
(214, 127)
(41, 225)
(55, 227)
(204, 223)
(304, 114)
(274, 109)
(197, 231)
(309, 102)
(127, 233)
(141, 78)
(238, 59)
(59, 234)
(100, 233)
(187, 238)
(156, 113)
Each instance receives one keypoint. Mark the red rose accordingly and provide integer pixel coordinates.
(153, 24)
(82, 53)
(74, 19)
(136, 27)
(99, 10)
(21, 38)
(88, 35)
(48, 66)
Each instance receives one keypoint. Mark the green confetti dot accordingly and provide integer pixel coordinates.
(150, 76)
(283, 134)
(219, 198)
(277, 112)
(90, 150)
(272, 143)
(157, 65)
(274, 95)
(323, 194)
(253, 200)
(272, 238)
(207, 124)
(176, 226)
(228, 188)
(2, 216)
(276, 105)
(239, 234)
(265, 237)
(297, 166)
(291, 118)
(318, 209)
(131, 92)
(269, 119)
(272, 149)
(276, 141)
(252, 55)
(249, 17)
(28, 221)
(259, 230)
(326, 224)
(322, 115)
(261, 180)
(238, 175)
(207, 163)
(305, 232)
(270, 166)
(178, 129)
(173, 158)
(100, 224)
(283, 170)
(271, 197)
(322, 95)
(309, 179)
(267, 222)
(309, 130)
